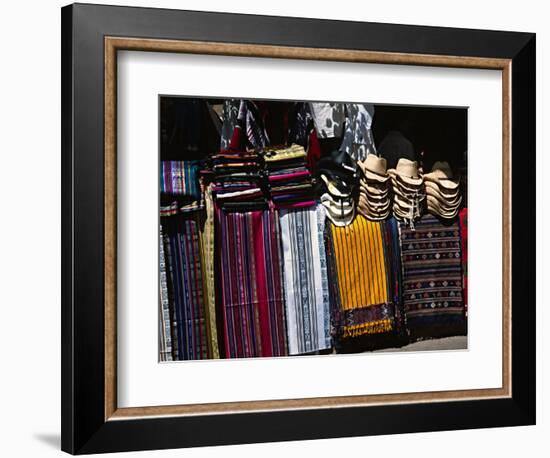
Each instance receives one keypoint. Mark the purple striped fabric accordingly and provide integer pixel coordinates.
(252, 295)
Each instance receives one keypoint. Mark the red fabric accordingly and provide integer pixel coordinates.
(313, 151)
(261, 287)
(236, 139)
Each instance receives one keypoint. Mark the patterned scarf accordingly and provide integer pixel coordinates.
(305, 276)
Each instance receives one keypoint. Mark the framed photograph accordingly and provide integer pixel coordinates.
(285, 228)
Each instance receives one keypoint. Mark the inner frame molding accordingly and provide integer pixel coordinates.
(114, 44)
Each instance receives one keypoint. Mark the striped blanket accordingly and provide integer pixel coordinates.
(252, 295)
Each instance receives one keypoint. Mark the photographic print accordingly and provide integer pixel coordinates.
(291, 196)
(310, 228)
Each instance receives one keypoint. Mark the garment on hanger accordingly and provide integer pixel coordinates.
(230, 115)
(357, 140)
(329, 118)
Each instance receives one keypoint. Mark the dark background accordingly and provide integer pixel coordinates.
(189, 132)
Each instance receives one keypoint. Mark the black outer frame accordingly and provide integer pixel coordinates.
(84, 429)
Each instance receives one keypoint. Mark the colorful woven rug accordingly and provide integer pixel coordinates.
(432, 278)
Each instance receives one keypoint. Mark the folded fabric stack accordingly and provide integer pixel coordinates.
(290, 184)
(408, 190)
(374, 197)
(237, 181)
(443, 197)
(180, 178)
(338, 176)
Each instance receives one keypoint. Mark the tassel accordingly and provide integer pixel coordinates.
(373, 327)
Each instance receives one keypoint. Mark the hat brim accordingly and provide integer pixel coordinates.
(373, 216)
(336, 200)
(443, 207)
(335, 188)
(403, 204)
(337, 211)
(339, 221)
(445, 183)
(442, 200)
(437, 212)
(373, 176)
(404, 187)
(377, 206)
(415, 182)
(407, 194)
(445, 192)
(373, 196)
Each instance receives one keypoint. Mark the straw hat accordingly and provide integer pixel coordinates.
(442, 199)
(436, 209)
(375, 198)
(406, 171)
(442, 175)
(405, 214)
(443, 192)
(374, 168)
(405, 203)
(336, 215)
(408, 194)
(373, 208)
(367, 213)
(374, 190)
(442, 205)
(340, 204)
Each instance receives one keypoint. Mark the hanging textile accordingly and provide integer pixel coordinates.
(365, 301)
(165, 333)
(251, 283)
(170, 279)
(184, 257)
(328, 118)
(305, 276)
(250, 131)
(463, 221)
(181, 178)
(207, 257)
(432, 278)
(230, 115)
(358, 140)
(392, 251)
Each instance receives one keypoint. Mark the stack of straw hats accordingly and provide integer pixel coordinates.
(374, 186)
(442, 191)
(408, 190)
